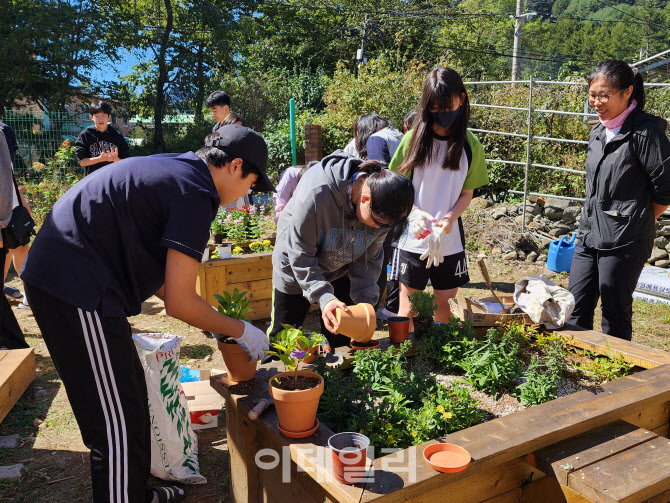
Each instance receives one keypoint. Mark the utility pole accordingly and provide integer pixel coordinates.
(519, 19)
(360, 54)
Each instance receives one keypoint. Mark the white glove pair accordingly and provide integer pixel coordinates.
(254, 341)
(419, 223)
(434, 251)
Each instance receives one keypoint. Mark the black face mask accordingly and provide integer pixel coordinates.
(445, 119)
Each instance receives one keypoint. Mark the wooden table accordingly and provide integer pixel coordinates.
(301, 472)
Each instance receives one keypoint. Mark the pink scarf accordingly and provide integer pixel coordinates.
(619, 119)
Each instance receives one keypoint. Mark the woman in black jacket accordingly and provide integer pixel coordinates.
(627, 189)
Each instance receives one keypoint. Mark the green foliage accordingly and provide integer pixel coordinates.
(539, 386)
(234, 306)
(447, 343)
(292, 347)
(422, 304)
(601, 369)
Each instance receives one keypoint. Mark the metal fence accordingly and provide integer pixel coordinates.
(532, 139)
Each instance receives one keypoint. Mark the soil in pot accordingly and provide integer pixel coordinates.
(398, 329)
(237, 360)
(422, 325)
(359, 346)
(299, 383)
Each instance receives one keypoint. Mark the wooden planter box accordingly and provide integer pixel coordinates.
(503, 468)
(251, 273)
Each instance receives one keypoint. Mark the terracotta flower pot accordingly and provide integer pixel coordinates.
(422, 325)
(237, 361)
(398, 329)
(361, 346)
(296, 409)
(349, 452)
(312, 356)
(358, 322)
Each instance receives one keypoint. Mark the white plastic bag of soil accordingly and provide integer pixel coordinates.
(174, 446)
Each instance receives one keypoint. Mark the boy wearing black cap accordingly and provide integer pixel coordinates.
(115, 239)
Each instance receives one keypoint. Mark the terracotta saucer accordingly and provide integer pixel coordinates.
(447, 458)
(299, 434)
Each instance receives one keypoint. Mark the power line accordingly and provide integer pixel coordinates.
(634, 17)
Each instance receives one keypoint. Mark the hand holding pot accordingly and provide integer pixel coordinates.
(254, 341)
(328, 314)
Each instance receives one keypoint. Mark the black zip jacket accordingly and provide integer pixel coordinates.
(92, 143)
(623, 178)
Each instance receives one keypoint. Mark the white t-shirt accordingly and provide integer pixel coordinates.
(436, 191)
(611, 133)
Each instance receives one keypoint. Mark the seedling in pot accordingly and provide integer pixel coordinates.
(292, 347)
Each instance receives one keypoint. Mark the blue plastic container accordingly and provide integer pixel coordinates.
(560, 254)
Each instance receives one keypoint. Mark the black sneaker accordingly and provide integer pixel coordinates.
(13, 293)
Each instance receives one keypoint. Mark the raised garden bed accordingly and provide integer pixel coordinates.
(251, 273)
(498, 471)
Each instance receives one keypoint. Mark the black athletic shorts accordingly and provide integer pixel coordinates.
(452, 273)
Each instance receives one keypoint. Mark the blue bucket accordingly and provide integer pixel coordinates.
(560, 254)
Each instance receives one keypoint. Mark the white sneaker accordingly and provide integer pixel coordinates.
(384, 314)
(24, 305)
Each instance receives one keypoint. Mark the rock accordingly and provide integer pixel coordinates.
(570, 214)
(9, 441)
(573, 227)
(548, 273)
(657, 254)
(479, 203)
(11, 472)
(521, 255)
(496, 251)
(498, 213)
(208, 358)
(37, 422)
(532, 256)
(40, 393)
(661, 242)
(559, 231)
(667, 248)
(553, 213)
(665, 230)
(533, 225)
(532, 208)
(542, 258)
(659, 263)
(557, 203)
(519, 220)
(509, 255)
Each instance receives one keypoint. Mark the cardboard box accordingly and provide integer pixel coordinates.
(467, 310)
(203, 402)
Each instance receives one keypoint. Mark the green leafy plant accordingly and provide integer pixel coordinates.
(234, 306)
(540, 385)
(602, 369)
(447, 343)
(422, 304)
(291, 346)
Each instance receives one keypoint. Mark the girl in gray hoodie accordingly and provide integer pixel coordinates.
(329, 239)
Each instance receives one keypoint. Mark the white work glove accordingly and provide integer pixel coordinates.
(419, 223)
(434, 251)
(254, 341)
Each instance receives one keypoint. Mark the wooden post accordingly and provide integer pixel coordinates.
(313, 143)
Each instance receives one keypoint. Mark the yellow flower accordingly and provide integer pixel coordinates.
(390, 437)
(440, 408)
(360, 431)
(447, 415)
(389, 426)
(414, 433)
(266, 242)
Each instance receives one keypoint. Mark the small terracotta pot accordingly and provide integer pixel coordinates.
(237, 362)
(356, 347)
(311, 358)
(349, 452)
(358, 322)
(398, 329)
(422, 325)
(296, 409)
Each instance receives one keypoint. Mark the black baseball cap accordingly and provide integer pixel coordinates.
(247, 144)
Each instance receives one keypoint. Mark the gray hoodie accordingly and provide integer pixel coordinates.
(319, 238)
(6, 183)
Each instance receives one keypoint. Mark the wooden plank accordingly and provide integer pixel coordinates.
(651, 417)
(546, 490)
(576, 453)
(239, 259)
(241, 435)
(664, 497)
(237, 273)
(258, 289)
(512, 436)
(662, 431)
(261, 309)
(201, 284)
(215, 283)
(640, 355)
(631, 476)
(17, 371)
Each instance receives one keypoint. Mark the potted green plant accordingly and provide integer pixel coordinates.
(296, 392)
(423, 308)
(237, 361)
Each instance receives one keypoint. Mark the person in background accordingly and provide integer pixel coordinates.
(287, 183)
(100, 144)
(109, 243)
(408, 121)
(446, 163)
(219, 105)
(10, 138)
(11, 336)
(329, 239)
(627, 189)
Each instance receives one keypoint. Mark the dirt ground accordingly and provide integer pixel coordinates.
(56, 461)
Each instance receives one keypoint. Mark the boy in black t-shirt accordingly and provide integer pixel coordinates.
(99, 145)
(112, 241)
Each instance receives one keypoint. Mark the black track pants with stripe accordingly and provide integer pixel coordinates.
(103, 377)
